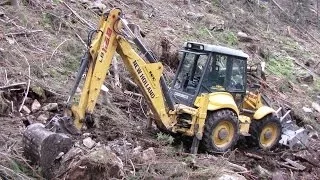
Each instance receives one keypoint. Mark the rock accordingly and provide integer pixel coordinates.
(263, 172)
(98, 5)
(169, 30)
(83, 1)
(100, 164)
(309, 63)
(311, 157)
(316, 106)
(307, 110)
(39, 91)
(43, 118)
(195, 16)
(243, 37)
(187, 27)
(277, 176)
(26, 109)
(213, 22)
(230, 176)
(88, 142)
(10, 40)
(59, 155)
(104, 88)
(136, 150)
(99, 144)
(242, 34)
(78, 91)
(308, 79)
(50, 107)
(86, 134)
(120, 147)
(35, 106)
(148, 155)
(140, 14)
(314, 135)
(309, 127)
(31, 118)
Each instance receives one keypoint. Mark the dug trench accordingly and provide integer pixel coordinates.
(120, 145)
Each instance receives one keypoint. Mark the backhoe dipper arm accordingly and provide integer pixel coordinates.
(147, 75)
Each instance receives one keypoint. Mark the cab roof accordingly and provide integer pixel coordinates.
(218, 49)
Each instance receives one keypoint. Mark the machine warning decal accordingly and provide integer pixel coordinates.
(143, 79)
(105, 43)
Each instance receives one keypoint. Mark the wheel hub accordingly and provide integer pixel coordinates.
(268, 134)
(223, 134)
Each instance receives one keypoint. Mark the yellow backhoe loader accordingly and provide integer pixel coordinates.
(208, 99)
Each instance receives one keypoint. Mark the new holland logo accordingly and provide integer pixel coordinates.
(143, 79)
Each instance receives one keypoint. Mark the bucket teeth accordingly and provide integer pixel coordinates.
(61, 124)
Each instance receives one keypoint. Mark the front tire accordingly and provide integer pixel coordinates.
(266, 132)
(221, 131)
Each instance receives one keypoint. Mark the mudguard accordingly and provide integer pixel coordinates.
(262, 112)
(220, 100)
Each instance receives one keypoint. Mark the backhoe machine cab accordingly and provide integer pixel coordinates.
(208, 68)
(220, 75)
(207, 100)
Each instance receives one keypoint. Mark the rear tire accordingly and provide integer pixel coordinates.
(266, 132)
(221, 131)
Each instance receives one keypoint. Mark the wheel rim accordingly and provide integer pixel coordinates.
(269, 135)
(223, 134)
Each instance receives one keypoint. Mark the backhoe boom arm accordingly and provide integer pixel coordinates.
(148, 75)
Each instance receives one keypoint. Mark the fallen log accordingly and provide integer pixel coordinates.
(287, 166)
(23, 33)
(253, 156)
(295, 164)
(20, 85)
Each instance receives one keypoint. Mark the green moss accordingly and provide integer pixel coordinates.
(230, 38)
(74, 52)
(227, 38)
(46, 20)
(215, 2)
(203, 32)
(281, 66)
(316, 85)
(165, 138)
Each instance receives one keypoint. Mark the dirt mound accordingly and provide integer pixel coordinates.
(100, 163)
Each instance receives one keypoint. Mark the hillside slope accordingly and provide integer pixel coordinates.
(41, 43)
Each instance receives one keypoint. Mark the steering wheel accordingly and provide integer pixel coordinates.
(195, 81)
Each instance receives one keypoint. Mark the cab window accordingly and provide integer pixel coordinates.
(224, 73)
(192, 68)
(237, 75)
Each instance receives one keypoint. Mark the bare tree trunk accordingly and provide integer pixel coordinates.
(14, 2)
